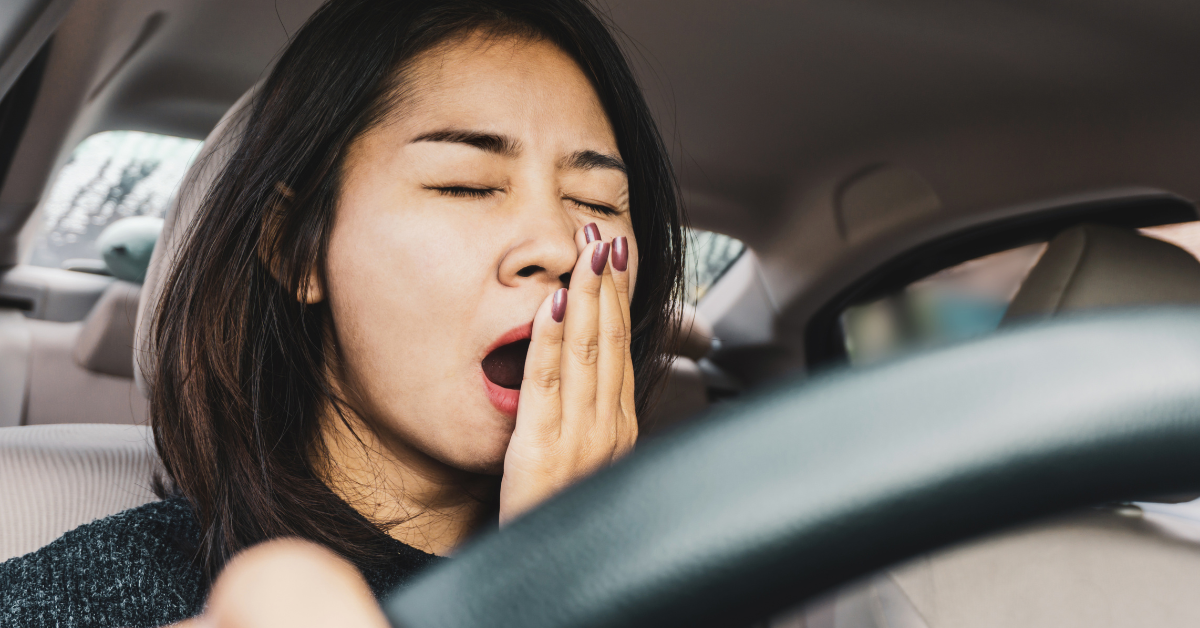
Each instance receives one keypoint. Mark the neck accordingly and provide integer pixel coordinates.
(420, 501)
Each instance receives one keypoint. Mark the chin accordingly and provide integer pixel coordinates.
(482, 454)
(488, 464)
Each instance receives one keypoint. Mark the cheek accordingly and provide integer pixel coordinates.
(383, 261)
(398, 287)
(387, 246)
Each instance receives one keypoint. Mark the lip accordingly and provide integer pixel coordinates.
(505, 399)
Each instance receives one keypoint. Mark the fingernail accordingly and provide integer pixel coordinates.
(591, 232)
(599, 257)
(620, 253)
(558, 305)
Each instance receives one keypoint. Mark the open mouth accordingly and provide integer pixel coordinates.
(505, 366)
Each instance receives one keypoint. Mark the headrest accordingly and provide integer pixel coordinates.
(105, 344)
(1094, 266)
(126, 246)
(217, 149)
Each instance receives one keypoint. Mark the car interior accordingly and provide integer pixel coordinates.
(869, 185)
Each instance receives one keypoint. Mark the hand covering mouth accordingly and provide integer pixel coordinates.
(505, 365)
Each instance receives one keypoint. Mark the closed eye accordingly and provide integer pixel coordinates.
(463, 191)
(603, 209)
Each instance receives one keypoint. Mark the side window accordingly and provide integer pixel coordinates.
(957, 303)
(109, 176)
(709, 255)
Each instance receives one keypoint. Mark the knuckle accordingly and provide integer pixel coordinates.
(543, 378)
(590, 288)
(614, 331)
(586, 350)
(621, 283)
(546, 439)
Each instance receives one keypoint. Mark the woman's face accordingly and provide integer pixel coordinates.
(456, 219)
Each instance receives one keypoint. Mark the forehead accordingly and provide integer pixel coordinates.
(529, 89)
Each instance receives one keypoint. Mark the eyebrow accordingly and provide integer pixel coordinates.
(487, 142)
(592, 160)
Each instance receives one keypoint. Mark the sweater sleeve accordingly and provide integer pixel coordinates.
(131, 570)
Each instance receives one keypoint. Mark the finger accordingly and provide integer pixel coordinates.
(586, 235)
(628, 409)
(610, 370)
(620, 273)
(539, 410)
(580, 345)
(620, 262)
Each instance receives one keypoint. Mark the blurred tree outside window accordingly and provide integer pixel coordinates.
(110, 175)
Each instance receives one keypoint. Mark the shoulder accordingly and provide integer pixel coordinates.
(135, 568)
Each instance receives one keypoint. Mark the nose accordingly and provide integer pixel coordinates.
(544, 252)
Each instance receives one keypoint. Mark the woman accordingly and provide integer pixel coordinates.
(406, 313)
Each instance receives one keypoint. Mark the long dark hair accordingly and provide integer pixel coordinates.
(241, 363)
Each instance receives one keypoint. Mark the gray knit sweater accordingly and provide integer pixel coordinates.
(131, 570)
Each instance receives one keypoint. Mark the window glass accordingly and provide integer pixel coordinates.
(109, 176)
(957, 303)
(709, 255)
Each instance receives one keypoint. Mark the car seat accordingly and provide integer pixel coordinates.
(56, 369)
(56, 477)
(1091, 267)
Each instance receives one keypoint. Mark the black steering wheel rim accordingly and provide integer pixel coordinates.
(774, 499)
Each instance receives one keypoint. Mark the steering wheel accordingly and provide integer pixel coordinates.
(771, 500)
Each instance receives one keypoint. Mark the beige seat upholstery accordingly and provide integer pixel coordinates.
(57, 477)
(1098, 569)
(92, 359)
(15, 343)
(1090, 267)
(105, 344)
(48, 350)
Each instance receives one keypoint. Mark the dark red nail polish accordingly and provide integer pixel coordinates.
(620, 254)
(591, 232)
(558, 305)
(599, 258)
